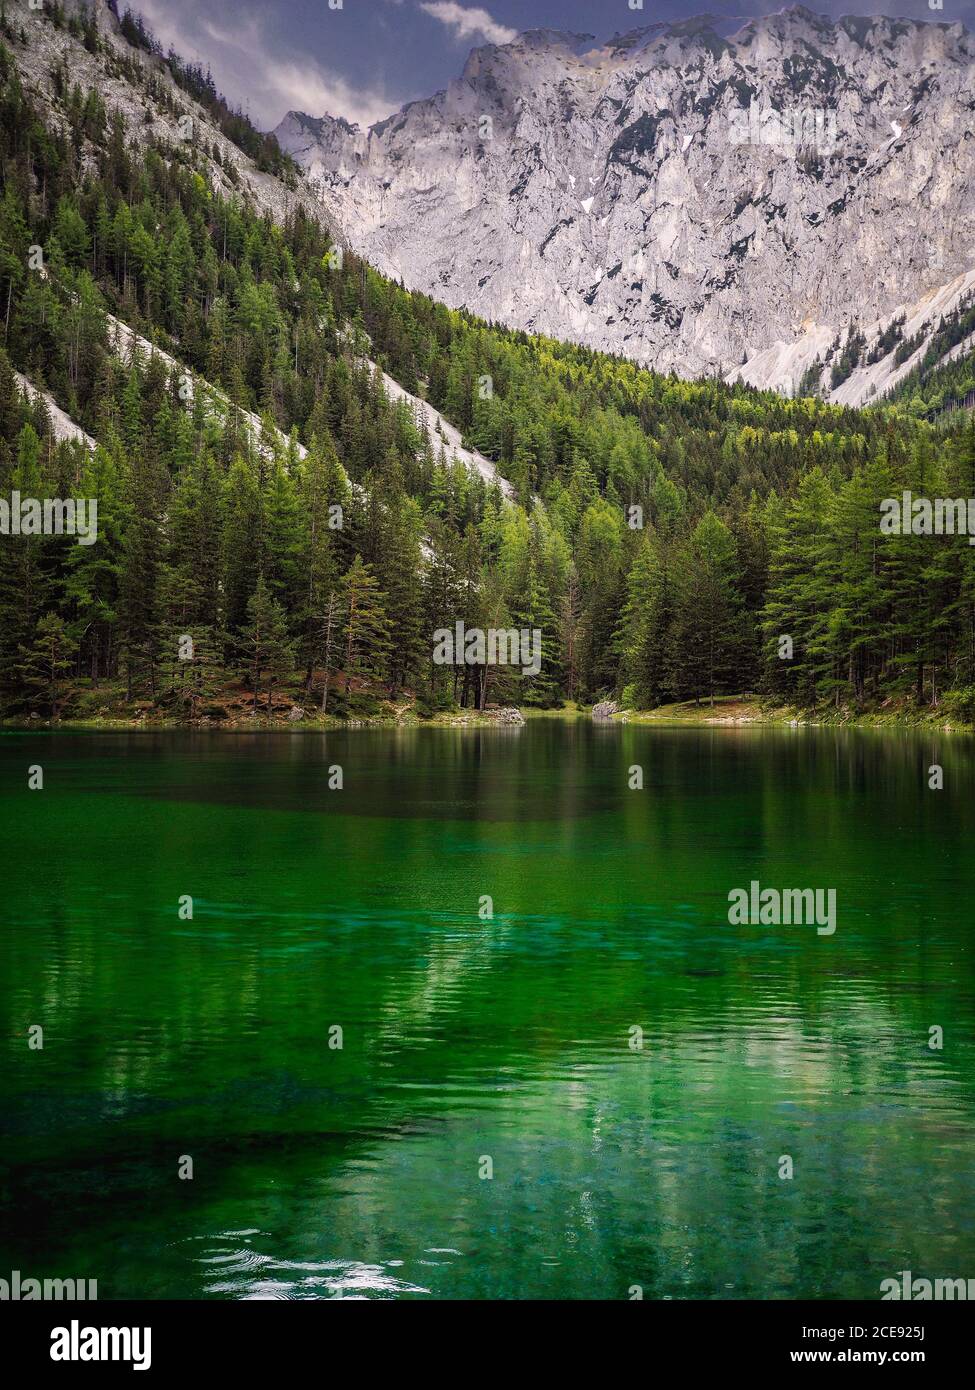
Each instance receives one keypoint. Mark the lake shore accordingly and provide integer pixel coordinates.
(725, 711)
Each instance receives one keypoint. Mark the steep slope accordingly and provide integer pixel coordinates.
(63, 428)
(137, 85)
(688, 198)
(429, 421)
(661, 534)
(443, 434)
(892, 348)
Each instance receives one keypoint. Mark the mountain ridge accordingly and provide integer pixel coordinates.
(610, 202)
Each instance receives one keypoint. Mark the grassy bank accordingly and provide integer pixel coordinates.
(751, 709)
(725, 710)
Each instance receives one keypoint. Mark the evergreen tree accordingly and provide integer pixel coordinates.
(191, 669)
(25, 578)
(706, 632)
(44, 665)
(366, 628)
(265, 646)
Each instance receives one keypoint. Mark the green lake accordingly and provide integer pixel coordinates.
(473, 1042)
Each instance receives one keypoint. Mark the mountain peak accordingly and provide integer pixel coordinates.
(689, 194)
(554, 38)
(325, 121)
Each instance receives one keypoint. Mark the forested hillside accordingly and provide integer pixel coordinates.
(664, 535)
(945, 376)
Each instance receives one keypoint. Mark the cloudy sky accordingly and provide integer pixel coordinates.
(364, 58)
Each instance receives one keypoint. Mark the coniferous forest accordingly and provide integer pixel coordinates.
(260, 494)
(321, 978)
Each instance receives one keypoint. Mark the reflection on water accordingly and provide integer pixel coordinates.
(323, 1173)
(230, 1267)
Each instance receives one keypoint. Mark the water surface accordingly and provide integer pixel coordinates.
(321, 1172)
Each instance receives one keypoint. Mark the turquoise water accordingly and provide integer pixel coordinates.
(321, 1171)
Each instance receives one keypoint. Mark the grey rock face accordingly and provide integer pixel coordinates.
(687, 197)
(509, 716)
(605, 709)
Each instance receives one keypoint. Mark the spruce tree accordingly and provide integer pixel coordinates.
(706, 629)
(191, 669)
(366, 627)
(265, 646)
(43, 666)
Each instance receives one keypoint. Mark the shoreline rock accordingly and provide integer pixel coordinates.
(605, 709)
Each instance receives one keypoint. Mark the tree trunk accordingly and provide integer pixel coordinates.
(348, 655)
(328, 647)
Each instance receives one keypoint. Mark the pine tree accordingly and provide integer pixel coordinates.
(240, 540)
(644, 633)
(25, 579)
(324, 498)
(570, 615)
(531, 612)
(802, 569)
(706, 632)
(599, 558)
(327, 636)
(140, 571)
(43, 666)
(191, 668)
(366, 628)
(265, 646)
(398, 571)
(92, 584)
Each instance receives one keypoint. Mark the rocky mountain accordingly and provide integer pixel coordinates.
(701, 197)
(137, 85)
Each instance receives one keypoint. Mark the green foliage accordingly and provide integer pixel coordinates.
(934, 385)
(366, 628)
(199, 84)
(319, 549)
(44, 665)
(266, 651)
(849, 358)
